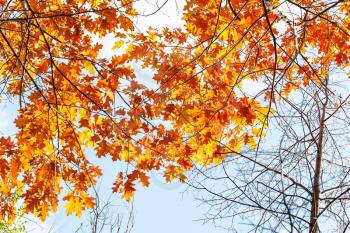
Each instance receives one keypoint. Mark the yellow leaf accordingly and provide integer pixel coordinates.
(118, 44)
(89, 67)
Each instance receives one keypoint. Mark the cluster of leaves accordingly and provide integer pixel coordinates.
(51, 66)
(16, 224)
(70, 99)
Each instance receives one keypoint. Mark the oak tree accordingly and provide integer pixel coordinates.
(71, 99)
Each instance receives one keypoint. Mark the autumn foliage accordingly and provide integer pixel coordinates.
(71, 99)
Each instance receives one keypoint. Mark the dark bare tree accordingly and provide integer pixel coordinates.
(297, 179)
(105, 219)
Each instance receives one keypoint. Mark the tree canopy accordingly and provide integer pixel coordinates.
(71, 100)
